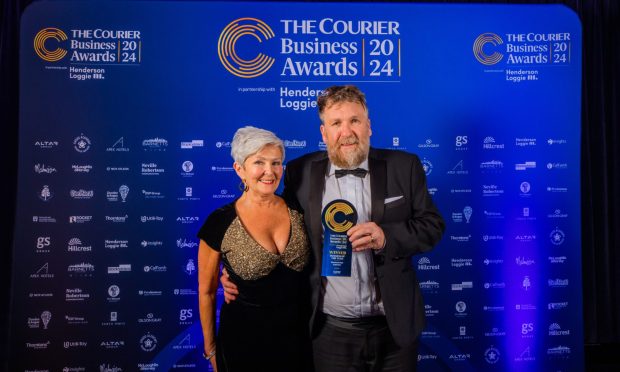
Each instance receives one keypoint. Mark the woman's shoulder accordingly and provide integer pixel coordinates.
(216, 224)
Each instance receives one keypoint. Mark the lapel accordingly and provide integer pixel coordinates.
(378, 179)
(317, 186)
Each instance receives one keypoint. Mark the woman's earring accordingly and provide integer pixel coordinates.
(243, 186)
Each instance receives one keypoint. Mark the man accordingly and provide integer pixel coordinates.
(370, 320)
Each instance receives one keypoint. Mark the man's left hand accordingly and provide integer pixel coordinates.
(367, 235)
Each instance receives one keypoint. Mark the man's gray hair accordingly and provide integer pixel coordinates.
(250, 140)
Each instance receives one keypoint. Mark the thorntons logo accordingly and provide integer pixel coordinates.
(460, 238)
(41, 168)
(155, 144)
(117, 219)
(37, 345)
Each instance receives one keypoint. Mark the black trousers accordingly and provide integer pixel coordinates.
(364, 345)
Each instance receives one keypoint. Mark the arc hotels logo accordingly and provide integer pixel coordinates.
(39, 44)
(228, 55)
(479, 44)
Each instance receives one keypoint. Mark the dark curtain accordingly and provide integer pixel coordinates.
(600, 160)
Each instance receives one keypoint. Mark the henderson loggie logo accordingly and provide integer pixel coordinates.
(39, 44)
(228, 55)
(479, 44)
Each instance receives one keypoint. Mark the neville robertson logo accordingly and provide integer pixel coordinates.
(227, 52)
(479, 45)
(40, 40)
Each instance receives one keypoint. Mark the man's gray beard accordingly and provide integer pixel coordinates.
(350, 159)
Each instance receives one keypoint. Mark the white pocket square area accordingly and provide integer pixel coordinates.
(393, 199)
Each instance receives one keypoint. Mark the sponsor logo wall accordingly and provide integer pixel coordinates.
(128, 150)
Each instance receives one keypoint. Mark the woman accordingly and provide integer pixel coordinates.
(264, 248)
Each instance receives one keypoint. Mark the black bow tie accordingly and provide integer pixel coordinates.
(358, 172)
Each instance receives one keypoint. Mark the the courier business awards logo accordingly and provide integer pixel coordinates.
(479, 45)
(42, 38)
(227, 51)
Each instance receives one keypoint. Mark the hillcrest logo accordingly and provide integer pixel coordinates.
(42, 37)
(226, 47)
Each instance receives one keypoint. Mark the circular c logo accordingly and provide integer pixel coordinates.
(39, 44)
(339, 216)
(481, 41)
(228, 55)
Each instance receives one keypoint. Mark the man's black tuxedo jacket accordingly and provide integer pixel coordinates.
(411, 223)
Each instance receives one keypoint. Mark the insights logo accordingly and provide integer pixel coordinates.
(227, 52)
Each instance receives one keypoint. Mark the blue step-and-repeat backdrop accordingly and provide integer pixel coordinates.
(127, 110)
